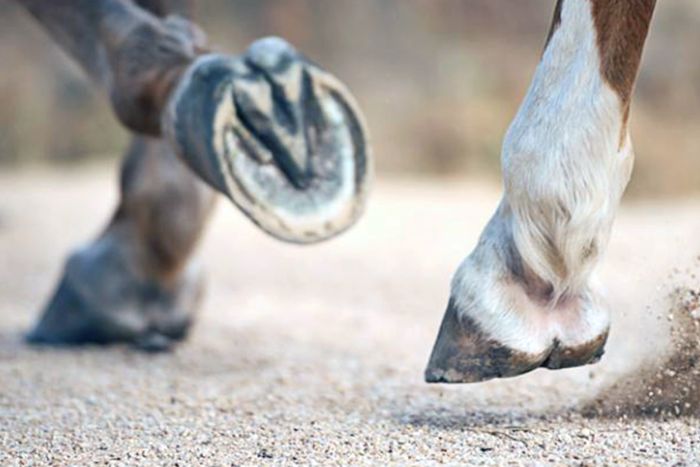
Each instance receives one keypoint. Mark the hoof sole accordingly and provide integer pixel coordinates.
(281, 138)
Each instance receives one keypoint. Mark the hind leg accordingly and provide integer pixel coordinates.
(139, 281)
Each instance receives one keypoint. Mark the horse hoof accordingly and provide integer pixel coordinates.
(98, 301)
(283, 139)
(465, 353)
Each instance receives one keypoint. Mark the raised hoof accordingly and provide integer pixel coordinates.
(103, 304)
(277, 135)
(464, 353)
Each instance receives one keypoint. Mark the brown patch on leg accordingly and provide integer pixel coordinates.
(621, 28)
(146, 65)
(131, 52)
(165, 205)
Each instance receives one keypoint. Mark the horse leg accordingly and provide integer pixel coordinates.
(135, 56)
(527, 297)
(139, 281)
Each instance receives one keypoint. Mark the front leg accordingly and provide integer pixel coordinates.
(526, 296)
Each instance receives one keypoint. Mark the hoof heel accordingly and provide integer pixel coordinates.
(585, 354)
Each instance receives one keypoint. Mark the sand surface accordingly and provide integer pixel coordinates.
(315, 354)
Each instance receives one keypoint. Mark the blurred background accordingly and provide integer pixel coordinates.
(439, 81)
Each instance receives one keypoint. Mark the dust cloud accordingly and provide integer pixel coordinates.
(668, 385)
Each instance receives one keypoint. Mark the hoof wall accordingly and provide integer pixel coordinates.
(280, 137)
(463, 353)
(94, 304)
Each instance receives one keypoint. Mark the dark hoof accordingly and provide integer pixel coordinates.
(464, 353)
(280, 137)
(70, 319)
(99, 302)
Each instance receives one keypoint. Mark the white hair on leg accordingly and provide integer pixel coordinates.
(526, 296)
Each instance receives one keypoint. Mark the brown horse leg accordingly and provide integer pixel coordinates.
(138, 282)
(133, 54)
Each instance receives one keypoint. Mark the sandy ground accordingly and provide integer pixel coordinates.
(315, 355)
